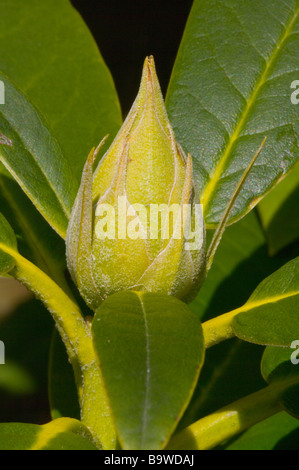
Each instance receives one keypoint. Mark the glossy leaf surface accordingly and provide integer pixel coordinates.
(61, 71)
(150, 349)
(231, 87)
(33, 156)
(270, 316)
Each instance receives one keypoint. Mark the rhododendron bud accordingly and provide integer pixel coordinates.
(137, 222)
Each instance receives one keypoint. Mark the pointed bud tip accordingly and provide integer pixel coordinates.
(149, 68)
(149, 61)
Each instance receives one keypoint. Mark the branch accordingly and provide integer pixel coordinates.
(76, 335)
(231, 420)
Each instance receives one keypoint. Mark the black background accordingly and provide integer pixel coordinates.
(127, 31)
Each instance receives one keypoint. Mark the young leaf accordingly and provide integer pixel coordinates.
(150, 349)
(230, 87)
(33, 156)
(270, 316)
(7, 237)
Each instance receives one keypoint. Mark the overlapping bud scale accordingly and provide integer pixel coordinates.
(132, 219)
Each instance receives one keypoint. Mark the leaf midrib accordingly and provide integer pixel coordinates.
(147, 375)
(210, 187)
(250, 305)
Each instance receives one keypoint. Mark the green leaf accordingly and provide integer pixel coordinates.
(277, 366)
(150, 348)
(270, 316)
(240, 264)
(48, 52)
(241, 261)
(33, 156)
(61, 434)
(231, 87)
(279, 213)
(279, 432)
(7, 237)
(63, 395)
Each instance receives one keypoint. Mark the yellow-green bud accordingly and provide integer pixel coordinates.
(137, 222)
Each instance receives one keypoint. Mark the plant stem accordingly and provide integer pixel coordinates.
(216, 428)
(76, 335)
(219, 328)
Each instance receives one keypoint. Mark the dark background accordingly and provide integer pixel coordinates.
(127, 31)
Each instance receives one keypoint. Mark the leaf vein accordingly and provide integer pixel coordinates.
(147, 376)
(211, 186)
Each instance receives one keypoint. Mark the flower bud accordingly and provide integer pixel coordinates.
(137, 222)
